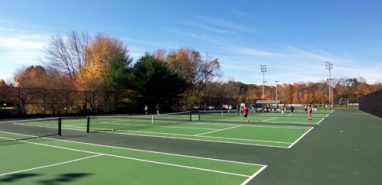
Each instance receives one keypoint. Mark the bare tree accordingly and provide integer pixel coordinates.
(65, 53)
(197, 71)
(208, 70)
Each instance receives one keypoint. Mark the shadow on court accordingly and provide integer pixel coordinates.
(17, 177)
(66, 178)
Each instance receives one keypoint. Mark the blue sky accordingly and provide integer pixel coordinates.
(293, 38)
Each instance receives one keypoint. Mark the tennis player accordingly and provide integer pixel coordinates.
(245, 113)
(292, 109)
(146, 109)
(283, 109)
(157, 107)
(310, 110)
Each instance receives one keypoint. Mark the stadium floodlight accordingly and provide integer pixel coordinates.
(276, 81)
(263, 70)
(329, 67)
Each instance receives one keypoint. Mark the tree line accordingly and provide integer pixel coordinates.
(349, 89)
(102, 71)
(83, 74)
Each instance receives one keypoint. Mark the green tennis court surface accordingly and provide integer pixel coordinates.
(260, 135)
(317, 159)
(298, 117)
(225, 127)
(49, 161)
(42, 160)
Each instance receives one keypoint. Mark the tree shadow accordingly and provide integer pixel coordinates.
(59, 179)
(64, 178)
(16, 177)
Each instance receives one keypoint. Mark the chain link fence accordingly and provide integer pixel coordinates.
(372, 103)
(23, 101)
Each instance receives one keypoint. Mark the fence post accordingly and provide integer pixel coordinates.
(88, 124)
(59, 126)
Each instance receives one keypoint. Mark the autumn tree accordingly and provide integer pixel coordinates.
(3, 83)
(106, 65)
(5, 93)
(42, 87)
(101, 67)
(33, 76)
(105, 71)
(184, 64)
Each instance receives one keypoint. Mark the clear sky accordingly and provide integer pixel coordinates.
(293, 38)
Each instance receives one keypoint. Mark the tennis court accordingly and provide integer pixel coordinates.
(51, 160)
(33, 160)
(219, 127)
(70, 159)
(243, 133)
(298, 117)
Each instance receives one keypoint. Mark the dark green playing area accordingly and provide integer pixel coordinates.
(340, 147)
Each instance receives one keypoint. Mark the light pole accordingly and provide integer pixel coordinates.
(263, 70)
(329, 67)
(276, 81)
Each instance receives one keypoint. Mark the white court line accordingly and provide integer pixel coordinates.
(251, 125)
(326, 116)
(329, 113)
(132, 158)
(292, 122)
(269, 119)
(290, 146)
(215, 137)
(218, 130)
(189, 123)
(159, 134)
(194, 139)
(51, 165)
(139, 150)
(192, 128)
(254, 175)
(79, 127)
(322, 119)
(281, 126)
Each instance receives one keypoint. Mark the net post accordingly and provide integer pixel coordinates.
(152, 120)
(191, 115)
(59, 126)
(87, 124)
(198, 115)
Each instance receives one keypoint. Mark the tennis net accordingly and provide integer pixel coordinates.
(135, 122)
(218, 115)
(35, 127)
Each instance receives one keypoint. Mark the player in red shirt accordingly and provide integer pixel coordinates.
(245, 113)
